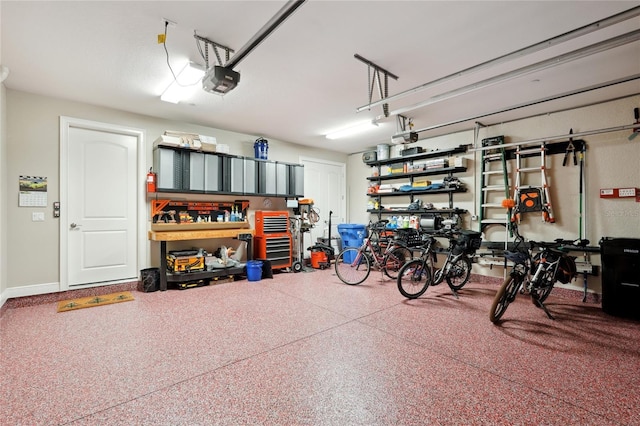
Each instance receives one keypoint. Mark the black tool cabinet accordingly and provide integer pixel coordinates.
(621, 276)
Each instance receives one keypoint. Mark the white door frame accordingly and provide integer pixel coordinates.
(343, 166)
(143, 248)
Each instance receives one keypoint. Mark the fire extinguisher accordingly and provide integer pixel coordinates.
(151, 181)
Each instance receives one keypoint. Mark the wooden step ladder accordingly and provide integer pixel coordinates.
(531, 198)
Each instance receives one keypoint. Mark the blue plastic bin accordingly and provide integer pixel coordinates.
(254, 270)
(352, 235)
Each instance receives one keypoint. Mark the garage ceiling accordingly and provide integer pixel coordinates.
(303, 80)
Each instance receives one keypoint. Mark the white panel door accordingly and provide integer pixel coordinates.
(101, 201)
(324, 182)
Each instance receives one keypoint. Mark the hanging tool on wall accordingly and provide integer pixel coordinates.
(571, 149)
(636, 130)
(582, 225)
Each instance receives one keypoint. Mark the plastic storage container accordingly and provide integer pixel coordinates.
(254, 270)
(261, 148)
(382, 152)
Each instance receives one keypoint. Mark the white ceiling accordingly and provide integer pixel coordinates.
(303, 80)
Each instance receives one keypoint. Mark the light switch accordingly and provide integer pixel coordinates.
(37, 216)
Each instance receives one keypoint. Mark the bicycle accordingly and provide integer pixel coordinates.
(417, 275)
(534, 274)
(353, 264)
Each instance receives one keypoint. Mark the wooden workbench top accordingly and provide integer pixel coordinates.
(200, 234)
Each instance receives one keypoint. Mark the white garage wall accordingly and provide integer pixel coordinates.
(611, 161)
(32, 148)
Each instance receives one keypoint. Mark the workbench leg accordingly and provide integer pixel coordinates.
(163, 265)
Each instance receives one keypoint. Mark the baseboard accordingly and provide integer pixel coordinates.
(25, 291)
(39, 294)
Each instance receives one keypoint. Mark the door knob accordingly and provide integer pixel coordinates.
(75, 225)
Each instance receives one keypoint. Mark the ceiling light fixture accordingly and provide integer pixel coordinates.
(184, 84)
(353, 130)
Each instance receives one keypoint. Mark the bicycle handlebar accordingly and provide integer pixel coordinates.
(379, 225)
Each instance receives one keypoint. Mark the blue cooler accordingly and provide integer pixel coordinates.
(352, 235)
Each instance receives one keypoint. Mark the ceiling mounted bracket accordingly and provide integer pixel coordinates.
(404, 135)
(215, 46)
(403, 122)
(377, 71)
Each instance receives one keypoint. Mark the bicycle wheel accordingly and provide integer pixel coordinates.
(352, 266)
(459, 273)
(394, 260)
(505, 295)
(540, 292)
(414, 279)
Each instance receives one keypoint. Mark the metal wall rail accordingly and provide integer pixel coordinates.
(534, 102)
(603, 23)
(557, 138)
(602, 46)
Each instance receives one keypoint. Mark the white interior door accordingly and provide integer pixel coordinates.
(99, 227)
(325, 183)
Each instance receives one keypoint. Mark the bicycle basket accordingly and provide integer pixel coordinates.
(468, 242)
(409, 237)
(566, 269)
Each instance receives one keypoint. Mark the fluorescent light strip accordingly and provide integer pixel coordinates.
(191, 75)
(349, 131)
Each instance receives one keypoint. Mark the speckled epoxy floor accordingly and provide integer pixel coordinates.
(305, 349)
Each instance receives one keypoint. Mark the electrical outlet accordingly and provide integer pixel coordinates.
(37, 216)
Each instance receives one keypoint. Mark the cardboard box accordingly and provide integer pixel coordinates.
(421, 183)
(398, 168)
(459, 162)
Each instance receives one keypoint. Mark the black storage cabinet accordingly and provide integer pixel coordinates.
(621, 276)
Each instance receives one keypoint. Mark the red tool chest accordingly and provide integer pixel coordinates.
(273, 240)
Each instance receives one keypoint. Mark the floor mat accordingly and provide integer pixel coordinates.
(91, 301)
